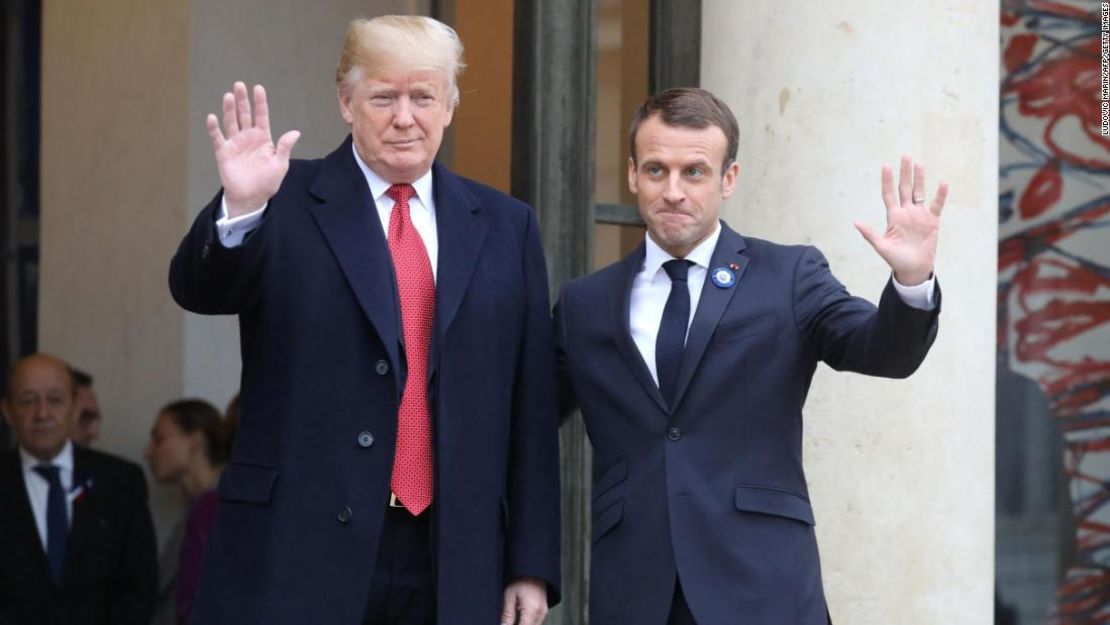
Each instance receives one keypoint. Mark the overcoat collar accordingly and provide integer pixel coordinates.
(346, 216)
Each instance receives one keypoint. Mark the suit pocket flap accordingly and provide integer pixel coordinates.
(607, 520)
(735, 330)
(610, 478)
(248, 483)
(773, 501)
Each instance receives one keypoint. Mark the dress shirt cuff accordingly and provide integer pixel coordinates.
(920, 296)
(233, 230)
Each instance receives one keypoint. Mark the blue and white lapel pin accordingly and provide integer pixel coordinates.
(723, 278)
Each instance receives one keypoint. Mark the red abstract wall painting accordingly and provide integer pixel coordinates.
(1054, 266)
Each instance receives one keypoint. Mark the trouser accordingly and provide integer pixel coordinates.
(402, 591)
(680, 611)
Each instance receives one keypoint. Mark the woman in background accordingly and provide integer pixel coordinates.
(189, 447)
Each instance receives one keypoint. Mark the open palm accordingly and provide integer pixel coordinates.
(251, 166)
(909, 243)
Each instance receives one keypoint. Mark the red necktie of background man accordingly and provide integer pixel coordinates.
(412, 479)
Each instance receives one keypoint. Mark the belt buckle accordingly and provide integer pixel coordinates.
(394, 502)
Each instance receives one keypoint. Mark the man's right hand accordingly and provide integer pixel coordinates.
(251, 166)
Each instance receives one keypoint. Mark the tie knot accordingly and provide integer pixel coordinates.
(401, 193)
(677, 269)
(49, 472)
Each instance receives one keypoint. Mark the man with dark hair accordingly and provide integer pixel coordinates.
(691, 359)
(75, 532)
(87, 427)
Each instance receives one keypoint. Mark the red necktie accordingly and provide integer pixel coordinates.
(413, 470)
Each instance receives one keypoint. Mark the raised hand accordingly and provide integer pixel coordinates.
(909, 244)
(251, 166)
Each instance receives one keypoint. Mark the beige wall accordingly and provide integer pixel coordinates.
(126, 165)
(901, 472)
(114, 99)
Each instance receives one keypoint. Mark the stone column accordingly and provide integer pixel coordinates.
(901, 472)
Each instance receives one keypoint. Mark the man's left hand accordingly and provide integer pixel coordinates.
(526, 599)
(909, 244)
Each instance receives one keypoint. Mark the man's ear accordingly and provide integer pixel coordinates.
(6, 408)
(632, 176)
(450, 114)
(729, 180)
(343, 94)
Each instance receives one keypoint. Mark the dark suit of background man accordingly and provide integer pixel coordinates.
(691, 359)
(397, 457)
(76, 539)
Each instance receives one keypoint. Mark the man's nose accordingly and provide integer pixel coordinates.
(673, 192)
(402, 112)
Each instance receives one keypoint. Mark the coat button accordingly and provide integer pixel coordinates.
(365, 439)
(674, 434)
(205, 251)
(381, 367)
(344, 515)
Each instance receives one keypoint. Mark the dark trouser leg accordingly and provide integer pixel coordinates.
(680, 612)
(402, 591)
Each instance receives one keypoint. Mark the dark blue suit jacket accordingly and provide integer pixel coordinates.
(303, 500)
(713, 491)
(111, 570)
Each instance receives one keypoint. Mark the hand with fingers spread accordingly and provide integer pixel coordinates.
(909, 244)
(525, 602)
(251, 166)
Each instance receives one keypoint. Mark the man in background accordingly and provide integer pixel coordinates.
(87, 427)
(75, 531)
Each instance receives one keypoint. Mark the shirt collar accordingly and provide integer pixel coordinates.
(64, 459)
(378, 185)
(655, 256)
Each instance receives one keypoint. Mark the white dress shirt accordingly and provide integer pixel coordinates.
(38, 489)
(422, 211)
(652, 286)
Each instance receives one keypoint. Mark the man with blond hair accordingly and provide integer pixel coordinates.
(396, 461)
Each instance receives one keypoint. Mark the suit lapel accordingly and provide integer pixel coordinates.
(460, 234)
(84, 515)
(350, 224)
(711, 306)
(622, 333)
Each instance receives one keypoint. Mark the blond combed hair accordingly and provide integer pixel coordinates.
(400, 42)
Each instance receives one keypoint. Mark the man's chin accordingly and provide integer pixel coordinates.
(406, 170)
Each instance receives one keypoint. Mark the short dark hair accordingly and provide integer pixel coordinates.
(193, 415)
(80, 378)
(688, 107)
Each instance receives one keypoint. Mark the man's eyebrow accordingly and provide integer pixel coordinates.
(701, 162)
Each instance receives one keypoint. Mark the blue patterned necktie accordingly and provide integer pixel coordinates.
(57, 523)
(671, 340)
